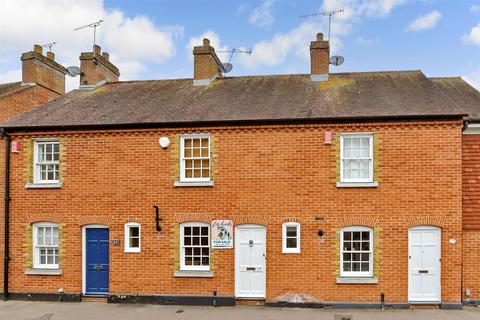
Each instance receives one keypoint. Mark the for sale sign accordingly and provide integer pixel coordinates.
(222, 234)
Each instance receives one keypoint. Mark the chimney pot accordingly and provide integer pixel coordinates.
(37, 48)
(51, 55)
(206, 42)
(97, 49)
(106, 55)
(319, 36)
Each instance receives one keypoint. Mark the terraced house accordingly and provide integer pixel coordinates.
(320, 189)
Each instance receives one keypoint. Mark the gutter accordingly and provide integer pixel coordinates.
(195, 124)
(6, 258)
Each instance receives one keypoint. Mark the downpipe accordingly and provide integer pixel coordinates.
(6, 258)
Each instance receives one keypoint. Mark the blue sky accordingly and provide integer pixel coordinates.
(153, 39)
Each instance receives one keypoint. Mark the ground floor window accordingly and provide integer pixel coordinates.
(45, 245)
(291, 237)
(356, 252)
(132, 237)
(195, 246)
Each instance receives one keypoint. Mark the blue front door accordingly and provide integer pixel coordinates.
(97, 257)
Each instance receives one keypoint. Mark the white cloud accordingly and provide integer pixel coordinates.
(132, 42)
(261, 16)
(425, 22)
(214, 42)
(473, 36)
(11, 76)
(474, 79)
(475, 8)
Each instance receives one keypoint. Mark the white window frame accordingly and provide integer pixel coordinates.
(371, 155)
(356, 273)
(182, 247)
(182, 157)
(128, 226)
(37, 163)
(36, 247)
(284, 237)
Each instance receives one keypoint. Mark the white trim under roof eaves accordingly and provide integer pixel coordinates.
(472, 128)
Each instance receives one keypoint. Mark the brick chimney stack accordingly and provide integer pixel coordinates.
(43, 70)
(206, 64)
(319, 58)
(95, 67)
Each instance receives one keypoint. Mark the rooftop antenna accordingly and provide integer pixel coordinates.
(328, 14)
(93, 25)
(49, 45)
(227, 66)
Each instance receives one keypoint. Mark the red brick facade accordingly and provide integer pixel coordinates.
(262, 175)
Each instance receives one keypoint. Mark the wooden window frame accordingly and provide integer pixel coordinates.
(284, 237)
(183, 178)
(128, 248)
(370, 158)
(36, 247)
(359, 274)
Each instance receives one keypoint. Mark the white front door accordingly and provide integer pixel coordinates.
(250, 261)
(424, 264)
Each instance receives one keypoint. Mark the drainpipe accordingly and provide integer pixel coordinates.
(7, 212)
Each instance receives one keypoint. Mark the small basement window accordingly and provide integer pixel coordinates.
(132, 237)
(356, 258)
(291, 237)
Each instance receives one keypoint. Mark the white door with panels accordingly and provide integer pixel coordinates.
(424, 265)
(250, 261)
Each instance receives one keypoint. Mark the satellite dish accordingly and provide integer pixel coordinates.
(337, 60)
(227, 67)
(73, 71)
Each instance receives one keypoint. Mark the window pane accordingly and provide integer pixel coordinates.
(134, 231)
(196, 152)
(196, 261)
(196, 251)
(365, 257)
(43, 258)
(196, 231)
(205, 251)
(356, 266)
(188, 261)
(356, 235)
(188, 251)
(197, 173)
(187, 231)
(204, 152)
(134, 242)
(347, 267)
(355, 256)
(291, 231)
(55, 236)
(187, 241)
(356, 246)
(196, 241)
(188, 164)
(291, 242)
(205, 173)
(365, 246)
(196, 143)
(365, 235)
(204, 241)
(204, 231)
(347, 235)
(365, 267)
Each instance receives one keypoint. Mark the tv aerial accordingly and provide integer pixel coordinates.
(228, 66)
(328, 14)
(93, 25)
(49, 45)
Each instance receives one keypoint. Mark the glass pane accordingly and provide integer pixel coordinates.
(188, 164)
(347, 267)
(356, 266)
(347, 257)
(365, 257)
(205, 173)
(196, 231)
(187, 231)
(196, 261)
(187, 153)
(187, 143)
(197, 163)
(205, 261)
(48, 148)
(356, 235)
(189, 173)
(55, 237)
(205, 251)
(197, 173)
(347, 235)
(365, 246)
(196, 241)
(204, 152)
(43, 258)
(205, 163)
(355, 256)
(40, 235)
(204, 241)
(187, 241)
(205, 142)
(291, 231)
(365, 267)
(134, 231)
(365, 235)
(291, 242)
(196, 251)
(134, 242)
(48, 236)
(356, 246)
(188, 261)
(196, 152)
(196, 143)
(188, 251)
(347, 246)
(204, 231)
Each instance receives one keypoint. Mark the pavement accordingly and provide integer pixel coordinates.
(27, 310)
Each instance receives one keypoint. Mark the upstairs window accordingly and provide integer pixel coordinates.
(132, 237)
(195, 158)
(195, 246)
(45, 246)
(356, 257)
(291, 237)
(47, 162)
(356, 157)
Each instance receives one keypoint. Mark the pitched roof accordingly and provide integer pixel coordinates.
(466, 96)
(8, 88)
(252, 98)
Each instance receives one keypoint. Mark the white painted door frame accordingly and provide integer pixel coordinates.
(260, 259)
(424, 265)
(84, 252)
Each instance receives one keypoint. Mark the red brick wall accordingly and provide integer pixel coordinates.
(14, 104)
(263, 175)
(471, 261)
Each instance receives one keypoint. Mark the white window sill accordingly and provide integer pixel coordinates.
(132, 251)
(193, 274)
(43, 185)
(357, 184)
(43, 272)
(291, 252)
(358, 280)
(193, 184)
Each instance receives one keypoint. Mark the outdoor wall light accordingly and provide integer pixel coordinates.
(321, 233)
(164, 142)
